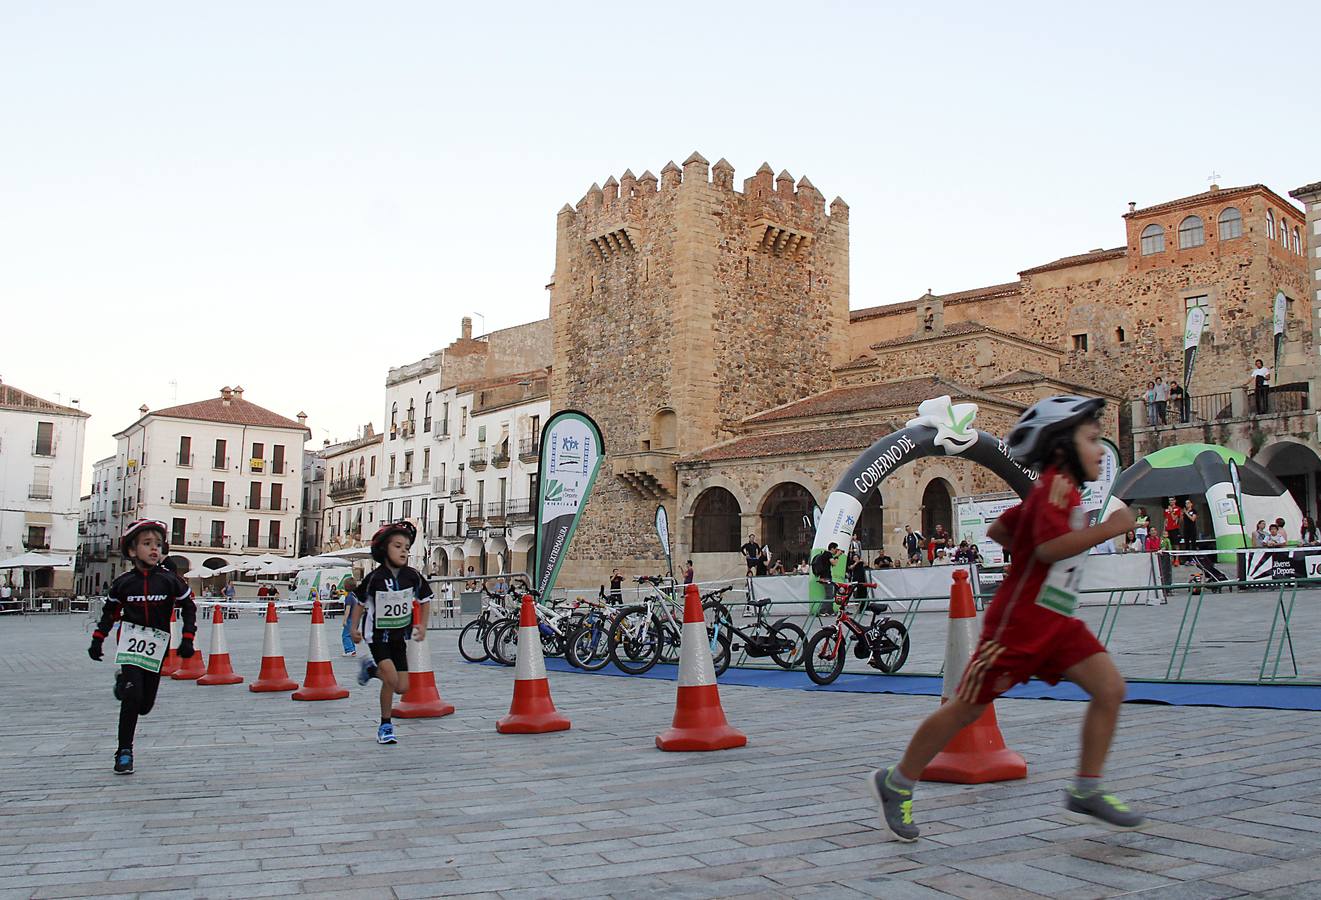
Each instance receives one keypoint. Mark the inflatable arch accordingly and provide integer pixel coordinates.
(941, 428)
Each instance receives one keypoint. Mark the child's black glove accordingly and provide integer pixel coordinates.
(94, 651)
(186, 648)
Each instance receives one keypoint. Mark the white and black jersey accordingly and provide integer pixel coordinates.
(385, 586)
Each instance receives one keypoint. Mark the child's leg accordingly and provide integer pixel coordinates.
(1097, 676)
(937, 730)
(389, 676)
(138, 688)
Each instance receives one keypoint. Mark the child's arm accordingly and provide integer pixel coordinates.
(1075, 542)
(355, 620)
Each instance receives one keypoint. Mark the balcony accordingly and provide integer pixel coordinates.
(405, 477)
(456, 487)
(442, 431)
(529, 449)
(43, 544)
(650, 473)
(44, 448)
(39, 492)
(450, 530)
(474, 517)
(519, 510)
(202, 541)
(1228, 418)
(184, 460)
(407, 429)
(500, 459)
(254, 542)
(347, 487)
(439, 486)
(477, 459)
(82, 528)
(495, 512)
(114, 508)
(99, 551)
(195, 498)
(220, 463)
(269, 505)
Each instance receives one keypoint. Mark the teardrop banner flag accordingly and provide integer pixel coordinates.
(571, 454)
(1192, 336)
(663, 535)
(1281, 310)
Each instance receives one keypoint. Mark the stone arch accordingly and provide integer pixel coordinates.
(937, 506)
(786, 521)
(785, 476)
(441, 562)
(521, 552)
(871, 524)
(716, 518)
(1298, 467)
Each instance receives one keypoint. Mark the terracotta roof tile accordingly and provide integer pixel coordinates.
(1198, 199)
(236, 412)
(813, 440)
(956, 330)
(1078, 259)
(891, 395)
(13, 398)
(1299, 193)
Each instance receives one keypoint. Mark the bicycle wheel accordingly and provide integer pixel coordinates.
(551, 644)
(589, 646)
(505, 643)
(890, 649)
(789, 642)
(635, 640)
(471, 641)
(825, 656)
(488, 638)
(670, 644)
(720, 653)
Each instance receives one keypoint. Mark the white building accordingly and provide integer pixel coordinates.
(100, 545)
(411, 413)
(352, 491)
(314, 497)
(225, 474)
(41, 465)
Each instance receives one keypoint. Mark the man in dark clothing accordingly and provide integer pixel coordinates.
(751, 554)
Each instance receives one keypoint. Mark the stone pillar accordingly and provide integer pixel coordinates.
(1238, 403)
(1140, 414)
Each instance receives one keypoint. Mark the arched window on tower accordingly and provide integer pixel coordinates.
(1191, 233)
(394, 418)
(1153, 240)
(664, 430)
(1297, 241)
(426, 414)
(1270, 225)
(1231, 224)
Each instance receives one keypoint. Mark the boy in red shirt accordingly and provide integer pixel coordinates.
(1029, 628)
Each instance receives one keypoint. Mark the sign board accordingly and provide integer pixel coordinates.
(975, 515)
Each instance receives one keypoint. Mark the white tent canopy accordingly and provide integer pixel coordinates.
(34, 560)
(318, 562)
(350, 553)
(260, 562)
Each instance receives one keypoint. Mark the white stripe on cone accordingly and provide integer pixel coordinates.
(271, 641)
(218, 646)
(696, 669)
(176, 629)
(960, 641)
(530, 665)
(316, 644)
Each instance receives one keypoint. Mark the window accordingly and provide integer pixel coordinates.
(258, 461)
(463, 421)
(1153, 240)
(373, 467)
(410, 410)
(426, 461)
(185, 451)
(177, 529)
(218, 493)
(424, 511)
(37, 537)
(1119, 335)
(1297, 241)
(1284, 232)
(442, 477)
(181, 490)
(254, 532)
(1191, 233)
(277, 497)
(274, 537)
(362, 467)
(217, 533)
(426, 414)
(392, 468)
(389, 511)
(394, 419)
(254, 495)
(1231, 224)
(445, 418)
(220, 461)
(1270, 225)
(408, 461)
(341, 470)
(1080, 343)
(535, 426)
(277, 459)
(481, 434)
(481, 495)
(406, 509)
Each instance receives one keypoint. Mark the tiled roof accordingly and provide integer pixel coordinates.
(349, 446)
(1079, 259)
(956, 330)
(1299, 193)
(890, 395)
(13, 398)
(1008, 289)
(236, 412)
(813, 440)
(1030, 376)
(1198, 199)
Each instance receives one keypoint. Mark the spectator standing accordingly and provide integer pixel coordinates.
(350, 600)
(1189, 525)
(1308, 534)
(913, 544)
(1173, 519)
(858, 575)
(1259, 383)
(1259, 534)
(1142, 524)
(616, 587)
(688, 572)
(1178, 400)
(1162, 401)
(1149, 397)
(764, 559)
(751, 554)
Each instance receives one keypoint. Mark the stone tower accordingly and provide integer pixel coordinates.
(679, 307)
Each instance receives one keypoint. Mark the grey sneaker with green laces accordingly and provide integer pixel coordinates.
(896, 806)
(1104, 808)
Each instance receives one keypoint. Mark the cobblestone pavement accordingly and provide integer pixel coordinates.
(239, 795)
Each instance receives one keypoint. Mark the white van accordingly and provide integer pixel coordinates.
(319, 584)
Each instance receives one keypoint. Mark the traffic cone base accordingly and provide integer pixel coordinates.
(531, 711)
(171, 663)
(219, 670)
(273, 675)
(536, 712)
(976, 755)
(699, 723)
(699, 720)
(319, 683)
(190, 669)
(422, 700)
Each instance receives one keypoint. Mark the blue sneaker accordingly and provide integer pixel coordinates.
(366, 670)
(124, 762)
(385, 734)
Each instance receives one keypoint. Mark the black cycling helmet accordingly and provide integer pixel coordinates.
(388, 530)
(1033, 439)
(130, 535)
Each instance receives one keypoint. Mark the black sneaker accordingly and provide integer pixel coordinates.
(1104, 808)
(124, 762)
(896, 807)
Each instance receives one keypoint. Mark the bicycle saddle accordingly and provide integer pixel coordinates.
(876, 606)
(760, 602)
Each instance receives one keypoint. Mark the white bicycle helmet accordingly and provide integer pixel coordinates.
(1031, 439)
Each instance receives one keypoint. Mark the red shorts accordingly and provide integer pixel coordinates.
(995, 668)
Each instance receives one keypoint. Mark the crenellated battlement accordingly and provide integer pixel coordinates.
(763, 195)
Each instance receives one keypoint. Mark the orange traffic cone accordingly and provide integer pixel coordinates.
(219, 670)
(273, 675)
(421, 700)
(532, 711)
(977, 754)
(699, 720)
(192, 668)
(319, 683)
(171, 663)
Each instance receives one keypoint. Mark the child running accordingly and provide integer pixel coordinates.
(384, 615)
(1029, 629)
(142, 600)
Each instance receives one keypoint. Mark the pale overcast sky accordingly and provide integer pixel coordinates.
(295, 196)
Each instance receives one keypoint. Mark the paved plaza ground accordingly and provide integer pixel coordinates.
(239, 795)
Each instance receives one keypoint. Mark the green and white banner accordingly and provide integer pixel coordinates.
(571, 454)
(1192, 336)
(663, 535)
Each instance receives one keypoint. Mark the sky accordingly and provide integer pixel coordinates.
(295, 196)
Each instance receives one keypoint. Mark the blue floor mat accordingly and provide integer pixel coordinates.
(1241, 696)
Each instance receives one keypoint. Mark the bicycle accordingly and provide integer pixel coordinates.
(782, 640)
(554, 626)
(472, 639)
(588, 646)
(883, 644)
(640, 637)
